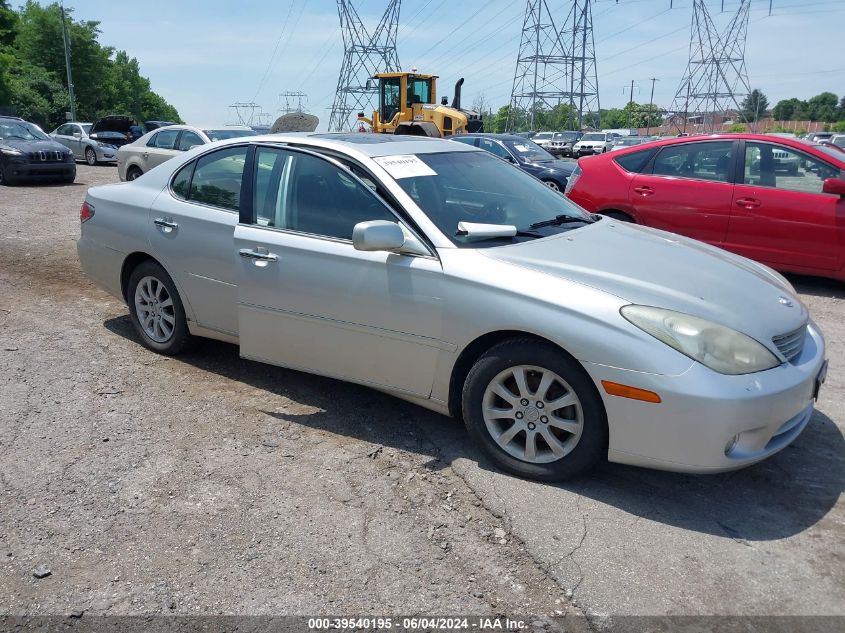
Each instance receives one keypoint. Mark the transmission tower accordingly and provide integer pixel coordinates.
(364, 55)
(716, 79)
(288, 96)
(244, 112)
(556, 65)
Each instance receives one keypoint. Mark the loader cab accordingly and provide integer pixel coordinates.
(405, 93)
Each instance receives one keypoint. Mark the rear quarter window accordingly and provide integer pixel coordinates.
(635, 162)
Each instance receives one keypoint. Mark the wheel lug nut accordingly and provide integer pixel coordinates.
(523, 402)
(531, 426)
(544, 419)
(540, 404)
(519, 415)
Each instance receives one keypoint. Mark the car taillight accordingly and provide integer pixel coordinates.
(573, 177)
(86, 212)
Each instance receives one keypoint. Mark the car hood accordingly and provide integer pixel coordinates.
(655, 268)
(34, 146)
(565, 166)
(112, 124)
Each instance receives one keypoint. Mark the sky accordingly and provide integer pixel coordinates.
(204, 55)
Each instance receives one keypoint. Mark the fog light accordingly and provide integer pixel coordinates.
(731, 445)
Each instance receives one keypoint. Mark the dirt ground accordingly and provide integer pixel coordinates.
(212, 485)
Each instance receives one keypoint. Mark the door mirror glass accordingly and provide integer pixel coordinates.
(836, 186)
(377, 235)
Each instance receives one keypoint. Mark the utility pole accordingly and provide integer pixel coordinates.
(630, 102)
(650, 107)
(66, 41)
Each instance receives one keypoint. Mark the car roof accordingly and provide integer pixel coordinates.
(10, 117)
(795, 143)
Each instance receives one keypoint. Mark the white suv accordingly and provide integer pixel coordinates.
(593, 143)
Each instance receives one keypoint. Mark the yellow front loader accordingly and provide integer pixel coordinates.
(408, 105)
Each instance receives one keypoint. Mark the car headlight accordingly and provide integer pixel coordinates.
(10, 151)
(718, 347)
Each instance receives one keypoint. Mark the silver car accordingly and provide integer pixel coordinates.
(441, 274)
(75, 137)
(160, 145)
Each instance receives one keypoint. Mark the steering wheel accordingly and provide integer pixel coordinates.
(492, 213)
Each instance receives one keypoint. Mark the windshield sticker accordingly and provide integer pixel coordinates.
(521, 148)
(404, 166)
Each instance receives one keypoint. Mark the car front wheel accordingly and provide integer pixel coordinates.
(91, 156)
(156, 309)
(534, 411)
(5, 179)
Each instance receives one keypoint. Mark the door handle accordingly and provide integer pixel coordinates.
(167, 224)
(264, 257)
(748, 203)
(644, 191)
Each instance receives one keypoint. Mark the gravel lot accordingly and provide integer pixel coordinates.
(208, 484)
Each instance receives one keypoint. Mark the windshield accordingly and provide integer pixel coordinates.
(838, 154)
(222, 135)
(593, 137)
(542, 136)
(87, 128)
(529, 151)
(566, 136)
(21, 130)
(628, 141)
(478, 187)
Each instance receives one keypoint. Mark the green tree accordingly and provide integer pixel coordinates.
(789, 110)
(754, 106)
(33, 78)
(823, 107)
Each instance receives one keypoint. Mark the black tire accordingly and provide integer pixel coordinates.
(618, 215)
(590, 448)
(6, 179)
(90, 156)
(180, 337)
(133, 173)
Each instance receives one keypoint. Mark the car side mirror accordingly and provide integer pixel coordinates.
(378, 235)
(836, 186)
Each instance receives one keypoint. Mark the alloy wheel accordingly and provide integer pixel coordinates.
(533, 414)
(551, 184)
(90, 157)
(155, 310)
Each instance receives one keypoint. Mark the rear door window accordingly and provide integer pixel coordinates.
(217, 178)
(635, 162)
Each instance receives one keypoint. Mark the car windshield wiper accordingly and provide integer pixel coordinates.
(560, 220)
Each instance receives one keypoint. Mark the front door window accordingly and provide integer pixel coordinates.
(389, 99)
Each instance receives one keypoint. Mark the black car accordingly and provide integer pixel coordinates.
(27, 153)
(116, 129)
(525, 154)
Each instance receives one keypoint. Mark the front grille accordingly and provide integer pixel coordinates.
(47, 157)
(791, 343)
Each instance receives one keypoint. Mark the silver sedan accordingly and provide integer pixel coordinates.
(75, 136)
(443, 275)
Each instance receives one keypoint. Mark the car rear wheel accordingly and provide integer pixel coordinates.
(534, 411)
(156, 309)
(133, 173)
(551, 184)
(90, 156)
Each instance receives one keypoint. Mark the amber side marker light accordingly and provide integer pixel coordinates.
(624, 391)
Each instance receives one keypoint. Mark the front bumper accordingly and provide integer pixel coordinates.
(41, 171)
(106, 154)
(708, 422)
(583, 151)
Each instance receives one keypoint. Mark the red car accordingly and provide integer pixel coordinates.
(775, 200)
